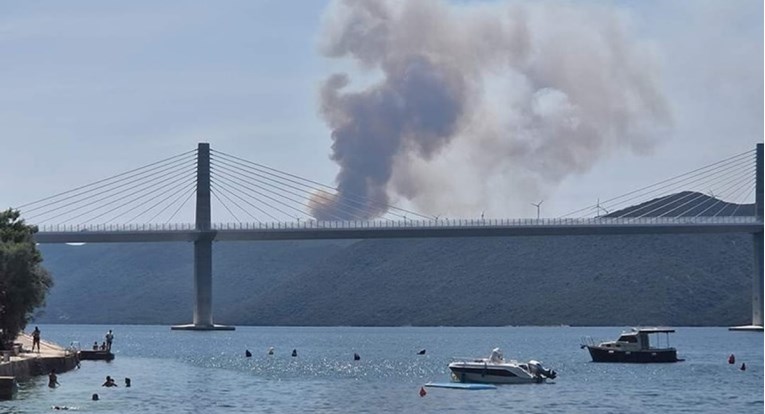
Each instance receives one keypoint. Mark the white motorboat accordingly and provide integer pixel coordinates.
(497, 370)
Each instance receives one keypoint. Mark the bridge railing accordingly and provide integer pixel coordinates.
(402, 224)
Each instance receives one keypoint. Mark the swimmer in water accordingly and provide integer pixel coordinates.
(53, 379)
(109, 382)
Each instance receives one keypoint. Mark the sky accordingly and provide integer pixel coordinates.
(89, 89)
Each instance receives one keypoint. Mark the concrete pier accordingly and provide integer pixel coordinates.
(758, 279)
(25, 364)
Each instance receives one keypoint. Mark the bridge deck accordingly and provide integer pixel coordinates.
(410, 229)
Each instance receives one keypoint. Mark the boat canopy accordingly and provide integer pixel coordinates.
(654, 330)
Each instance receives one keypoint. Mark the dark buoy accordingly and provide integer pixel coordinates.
(271, 350)
(423, 392)
(356, 357)
(294, 352)
(743, 366)
(94, 397)
(422, 352)
(732, 359)
(247, 353)
(127, 382)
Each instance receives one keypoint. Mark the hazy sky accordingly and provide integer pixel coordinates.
(89, 89)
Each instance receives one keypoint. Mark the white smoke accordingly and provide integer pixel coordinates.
(478, 104)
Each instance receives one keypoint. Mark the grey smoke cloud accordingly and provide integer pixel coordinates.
(477, 103)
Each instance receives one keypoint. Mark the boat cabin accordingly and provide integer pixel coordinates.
(638, 339)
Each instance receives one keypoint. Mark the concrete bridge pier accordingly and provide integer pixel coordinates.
(758, 283)
(203, 320)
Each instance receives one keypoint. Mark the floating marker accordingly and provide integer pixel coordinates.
(423, 392)
(732, 359)
(421, 352)
(247, 353)
(743, 366)
(294, 352)
(356, 357)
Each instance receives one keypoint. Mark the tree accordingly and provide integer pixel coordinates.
(24, 283)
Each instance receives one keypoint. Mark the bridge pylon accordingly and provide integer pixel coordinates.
(203, 320)
(758, 278)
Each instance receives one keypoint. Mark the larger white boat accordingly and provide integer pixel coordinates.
(497, 370)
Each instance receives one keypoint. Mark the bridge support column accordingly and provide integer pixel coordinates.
(203, 320)
(203, 283)
(758, 282)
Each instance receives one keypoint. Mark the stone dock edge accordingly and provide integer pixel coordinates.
(19, 366)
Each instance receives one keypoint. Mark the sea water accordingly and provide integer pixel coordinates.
(207, 372)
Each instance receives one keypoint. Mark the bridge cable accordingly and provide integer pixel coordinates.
(298, 202)
(214, 193)
(682, 185)
(353, 196)
(176, 174)
(191, 193)
(107, 179)
(731, 193)
(158, 188)
(668, 200)
(236, 181)
(743, 188)
(222, 191)
(120, 197)
(317, 195)
(692, 203)
(155, 188)
(734, 159)
(313, 194)
(181, 190)
(234, 191)
(749, 194)
(138, 180)
(725, 177)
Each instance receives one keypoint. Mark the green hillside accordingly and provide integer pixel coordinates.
(576, 280)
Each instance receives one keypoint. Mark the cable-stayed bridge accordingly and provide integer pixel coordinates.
(262, 203)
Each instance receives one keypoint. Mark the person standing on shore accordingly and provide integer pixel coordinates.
(109, 339)
(36, 339)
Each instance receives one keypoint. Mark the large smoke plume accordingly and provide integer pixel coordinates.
(475, 104)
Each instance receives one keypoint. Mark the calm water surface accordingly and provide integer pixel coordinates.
(207, 372)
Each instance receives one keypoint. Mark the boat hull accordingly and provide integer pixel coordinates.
(600, 354)
(490, 376)
(99, 355)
